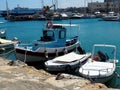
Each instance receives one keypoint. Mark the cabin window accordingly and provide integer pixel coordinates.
(48, 33)
(62, 34)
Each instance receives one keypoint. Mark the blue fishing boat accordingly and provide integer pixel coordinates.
(53, 43)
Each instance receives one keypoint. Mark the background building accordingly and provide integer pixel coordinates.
(107, 6)
(111, 0)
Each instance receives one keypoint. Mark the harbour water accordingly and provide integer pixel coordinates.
(92, 31)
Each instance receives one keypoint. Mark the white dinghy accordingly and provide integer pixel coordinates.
(101, 67)
(66, 62)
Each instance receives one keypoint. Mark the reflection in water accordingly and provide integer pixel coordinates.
(9, 55)
(114, 83)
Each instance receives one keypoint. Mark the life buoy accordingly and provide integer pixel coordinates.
(49, 24)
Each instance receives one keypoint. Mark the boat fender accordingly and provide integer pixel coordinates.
(2, 49)
(65, 51)
(56, 51)
(46, 54)
(49, 24)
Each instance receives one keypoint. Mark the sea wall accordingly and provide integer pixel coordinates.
(18, 76)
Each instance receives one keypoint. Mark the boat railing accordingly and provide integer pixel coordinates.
(44, 45)
(101, 70)
(25, 42)
(25, 45)
(71, 40)
(113, 60)
(42, 42)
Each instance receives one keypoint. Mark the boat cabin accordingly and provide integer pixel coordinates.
(56, 35)
(52, 37)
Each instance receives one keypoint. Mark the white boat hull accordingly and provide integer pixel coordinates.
(102, 79)
(64, 63)
(111, 18)
(99, 72)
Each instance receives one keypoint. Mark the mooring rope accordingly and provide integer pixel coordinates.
(3, 54)
(117, 66)
(25, 56)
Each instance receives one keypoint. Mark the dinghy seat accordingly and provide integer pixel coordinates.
(102, 56)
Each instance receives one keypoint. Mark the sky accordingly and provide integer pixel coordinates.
(38, 3)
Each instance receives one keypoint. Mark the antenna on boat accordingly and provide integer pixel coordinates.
(54, 5)
(7, 7)
(42, 2)
(70, 27)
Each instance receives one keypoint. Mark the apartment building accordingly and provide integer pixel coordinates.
(106, 6)
(111, 0)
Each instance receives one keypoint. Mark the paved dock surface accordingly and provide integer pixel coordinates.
(18, 76)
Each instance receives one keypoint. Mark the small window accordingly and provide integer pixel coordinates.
(48, 33)
(62, 34)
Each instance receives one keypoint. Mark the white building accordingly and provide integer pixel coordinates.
(104, 6)
(111, 0)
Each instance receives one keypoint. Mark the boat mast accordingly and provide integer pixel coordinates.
(42, 2)
(107, 6)
(91, 8)
(54, 5)
(119, 9)
(7, 8)
(84, 7)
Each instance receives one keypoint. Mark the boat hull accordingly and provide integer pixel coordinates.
(51, 65)
(111, 18)
(44, 54)
(103, 79)
(97, 71)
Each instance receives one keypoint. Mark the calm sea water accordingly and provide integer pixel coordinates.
(92, 31)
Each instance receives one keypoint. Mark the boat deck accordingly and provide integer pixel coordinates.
(97, 68)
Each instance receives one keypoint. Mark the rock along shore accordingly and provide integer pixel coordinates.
(18, 76)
